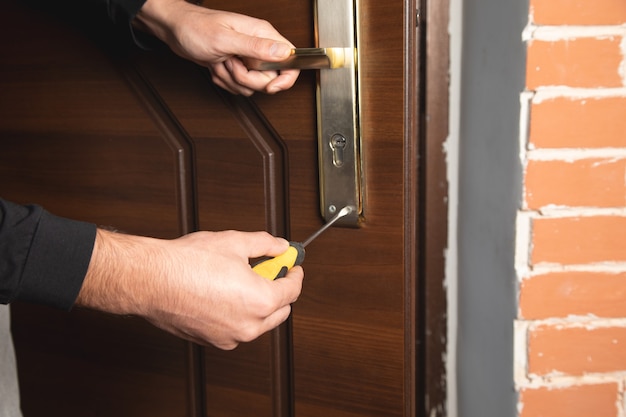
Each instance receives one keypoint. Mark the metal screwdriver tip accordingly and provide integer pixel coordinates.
(342, 213)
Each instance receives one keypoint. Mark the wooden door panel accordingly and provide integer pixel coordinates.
(96, 365)
(76, 139)
(145, 143)
(95, 148)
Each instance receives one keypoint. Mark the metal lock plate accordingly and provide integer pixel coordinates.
(339, 142)
(341, 171)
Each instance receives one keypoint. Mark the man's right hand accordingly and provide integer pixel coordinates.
(217, 39)
(199, 287)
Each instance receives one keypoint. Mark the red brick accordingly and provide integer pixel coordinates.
(583, 183)
(573, 293)
(579, 123)
(576, 351)
(578, 12)
(575, 401)
(579, 240)
(582, 62)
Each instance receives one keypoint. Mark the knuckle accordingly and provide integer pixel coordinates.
(255, 43)
(266, 26)
(228, 345)
(265, 235)
(265, 306)
(249, 333)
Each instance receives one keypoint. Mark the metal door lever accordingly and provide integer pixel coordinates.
(307, 58)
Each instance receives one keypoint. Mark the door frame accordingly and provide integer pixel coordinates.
(427, 118)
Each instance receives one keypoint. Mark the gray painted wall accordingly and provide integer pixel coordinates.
(492, 78)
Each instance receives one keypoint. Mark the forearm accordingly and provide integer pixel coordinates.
(118, 278)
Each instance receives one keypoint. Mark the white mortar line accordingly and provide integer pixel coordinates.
(523, 248)
(520, 353)
(589, 322)
(575, 154)
(563, 381)
(557, 33)
(527, 33)
(558, 212)
(544, 93)
(613, 268)
(526, 98)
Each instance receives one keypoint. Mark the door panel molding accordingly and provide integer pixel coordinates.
(275, 166)
(175, 135)
(182, 146)
(272, 149)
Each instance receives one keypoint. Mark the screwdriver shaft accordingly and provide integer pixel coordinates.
(342, 213)
(278, 266)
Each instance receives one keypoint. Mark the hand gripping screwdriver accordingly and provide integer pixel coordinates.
(278, 266)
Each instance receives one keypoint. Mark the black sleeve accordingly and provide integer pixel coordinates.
(43, 258)
(122, 13)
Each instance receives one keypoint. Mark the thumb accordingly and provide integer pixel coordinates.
(264, 244)
(260, 48)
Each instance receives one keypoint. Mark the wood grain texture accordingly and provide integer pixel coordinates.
(76, 140)
(141, 140)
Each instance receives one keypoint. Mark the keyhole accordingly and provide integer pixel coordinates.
(338, 144)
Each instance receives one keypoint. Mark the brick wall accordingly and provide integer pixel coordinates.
(570, 338)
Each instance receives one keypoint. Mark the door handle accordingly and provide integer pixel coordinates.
(307, 58)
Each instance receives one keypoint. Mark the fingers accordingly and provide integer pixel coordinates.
(215, 39)
(223, 78)
(233, 76)
(221, 301)
(287, 291)
(276, 319)
(284, 81)
(289, 287)
(250, 79)
(259, 244)
(276, 48)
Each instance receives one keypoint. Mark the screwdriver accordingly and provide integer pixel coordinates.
(294, 255)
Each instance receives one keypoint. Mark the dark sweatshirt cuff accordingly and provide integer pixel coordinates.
(122, 13)
(57, 262)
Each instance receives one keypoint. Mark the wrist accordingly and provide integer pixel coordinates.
(117, 278)
(155, 17)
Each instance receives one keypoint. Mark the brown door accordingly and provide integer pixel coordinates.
(141, 141)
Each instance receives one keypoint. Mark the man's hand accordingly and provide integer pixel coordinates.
(216, 40)
(199, 287)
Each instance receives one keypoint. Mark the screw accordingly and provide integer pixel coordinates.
(332, 208)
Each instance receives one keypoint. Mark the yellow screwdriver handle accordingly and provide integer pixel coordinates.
(278, 266)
